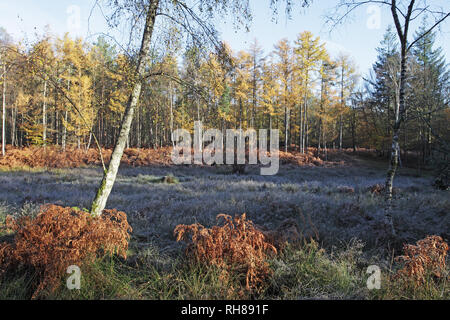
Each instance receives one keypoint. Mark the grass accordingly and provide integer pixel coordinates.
(398, 289)
(308, 272)
(298, 273)
(169, 179)
(301, 272)
(333, 203)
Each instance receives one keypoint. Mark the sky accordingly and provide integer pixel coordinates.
(359, 37)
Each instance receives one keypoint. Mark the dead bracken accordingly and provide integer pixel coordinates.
(60, 237)
(427, 257)
(236, 246)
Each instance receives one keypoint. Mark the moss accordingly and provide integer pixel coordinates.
(94, 206)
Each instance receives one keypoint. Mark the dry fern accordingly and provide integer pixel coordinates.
(59, 237)
(55, 157)
(426, 257)
(236, 246)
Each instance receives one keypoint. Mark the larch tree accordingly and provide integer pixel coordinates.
(308, 55)
(270, 91)
(325, 112)
(284, 68)
(46, 54)
(4, 73)
(242, 88)
(256, 54)
(346, 81)
(5, 40)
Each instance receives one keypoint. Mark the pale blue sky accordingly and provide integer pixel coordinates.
(22, 18)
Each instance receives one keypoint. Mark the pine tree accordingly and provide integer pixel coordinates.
(308, 54)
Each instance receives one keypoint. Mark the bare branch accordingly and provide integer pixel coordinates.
(428, 31)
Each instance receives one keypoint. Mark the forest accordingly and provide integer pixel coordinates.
(313, 99)
(364, 174)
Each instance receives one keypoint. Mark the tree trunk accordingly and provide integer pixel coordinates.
(353, 130)
(44, 115)
(300, 128)
(342, 107)
(109, 176)
(395, 147)
(304, 118)
(306, 136)
(4, 112)
(171, 115)
(286, 125)
(64, 137)
(13, 126)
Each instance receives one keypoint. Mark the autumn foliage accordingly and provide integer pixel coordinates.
(60, 237)
(55, 157)
(426, 257)
(236, 246)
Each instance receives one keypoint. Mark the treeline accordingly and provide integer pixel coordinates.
(66, 92)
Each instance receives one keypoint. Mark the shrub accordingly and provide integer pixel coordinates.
(237, 246)
(345, 189)
(425, 258)
(422, 274)
(170, 180)
(55, 157)
(442, 181)
(59, 237)
(376, 189)
(380, 189)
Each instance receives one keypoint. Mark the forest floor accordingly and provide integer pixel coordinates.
(337, 204)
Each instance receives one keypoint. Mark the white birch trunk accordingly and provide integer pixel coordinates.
(109, 176)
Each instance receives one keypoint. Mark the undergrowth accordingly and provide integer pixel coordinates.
(54, 157)
(58, 238)
(307, 271)
(236, 247)
(229, 261)
(421, 273)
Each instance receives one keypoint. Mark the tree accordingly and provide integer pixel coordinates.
(308, 54)
(109, 177)
(402, 14)
(256, 53)
(427, 90)
(384, 89)
(270, 91)
(325, 112)
(5, 40)
(346, 80)
(284, 69)
(44, 51)
(79, 74)
(242, 88)
(183, 15)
